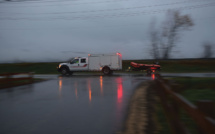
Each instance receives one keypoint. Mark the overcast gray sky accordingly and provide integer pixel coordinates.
(56, 30)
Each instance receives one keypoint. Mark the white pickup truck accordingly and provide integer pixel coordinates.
(107, 63)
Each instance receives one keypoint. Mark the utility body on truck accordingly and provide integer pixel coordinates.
(107, 63)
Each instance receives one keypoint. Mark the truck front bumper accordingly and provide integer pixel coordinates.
(58, 69)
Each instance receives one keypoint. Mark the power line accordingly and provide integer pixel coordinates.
(47, 1)
(110, 10)
(68, 4)
(73, 4)
(111, 26)
(112, 15)
(35, 1)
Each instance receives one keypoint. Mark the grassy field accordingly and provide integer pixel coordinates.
(193, 89)
(186, 65)
(38, 68)
(197, 88)
(15, 82)
(171, 66)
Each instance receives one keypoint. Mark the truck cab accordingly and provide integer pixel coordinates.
(73, 65)
(78, 64)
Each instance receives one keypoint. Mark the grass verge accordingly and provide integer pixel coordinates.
(192, 89)
(15, 83)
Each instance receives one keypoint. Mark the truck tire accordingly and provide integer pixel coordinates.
(106, 70)
(64, 71)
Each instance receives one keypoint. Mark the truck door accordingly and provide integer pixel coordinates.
(78, 64)
(73, 66)
(83, 64)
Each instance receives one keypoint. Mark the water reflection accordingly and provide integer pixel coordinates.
(101, 84)
(89, 89)
(76, 89)
(119, 100)
(153, 76)
(97, 83)
(60, 82)
(119, 89)
(96, 92)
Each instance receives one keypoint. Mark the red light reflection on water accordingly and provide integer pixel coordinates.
(119, 101)
(119, 90)
(90, 95)
(153, 76)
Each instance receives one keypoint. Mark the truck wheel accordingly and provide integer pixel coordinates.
(64, 71)
(106, 70)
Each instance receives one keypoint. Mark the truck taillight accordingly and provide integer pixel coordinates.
(118, 54)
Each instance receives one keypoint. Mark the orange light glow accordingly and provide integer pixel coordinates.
(89, 54)
(60, 86)
(153, 76)
(101, 84)
(90, 91)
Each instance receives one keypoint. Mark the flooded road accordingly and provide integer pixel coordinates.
(67, 105)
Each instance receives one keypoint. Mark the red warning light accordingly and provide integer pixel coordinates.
(118, 54)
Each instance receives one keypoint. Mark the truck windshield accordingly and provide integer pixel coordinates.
(70, 60)
(74, 61)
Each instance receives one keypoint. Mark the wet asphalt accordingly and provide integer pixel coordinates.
(67, 105)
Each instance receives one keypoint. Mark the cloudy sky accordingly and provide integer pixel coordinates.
(56, 30)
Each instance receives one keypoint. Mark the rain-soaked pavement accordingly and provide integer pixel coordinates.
(67, 105)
